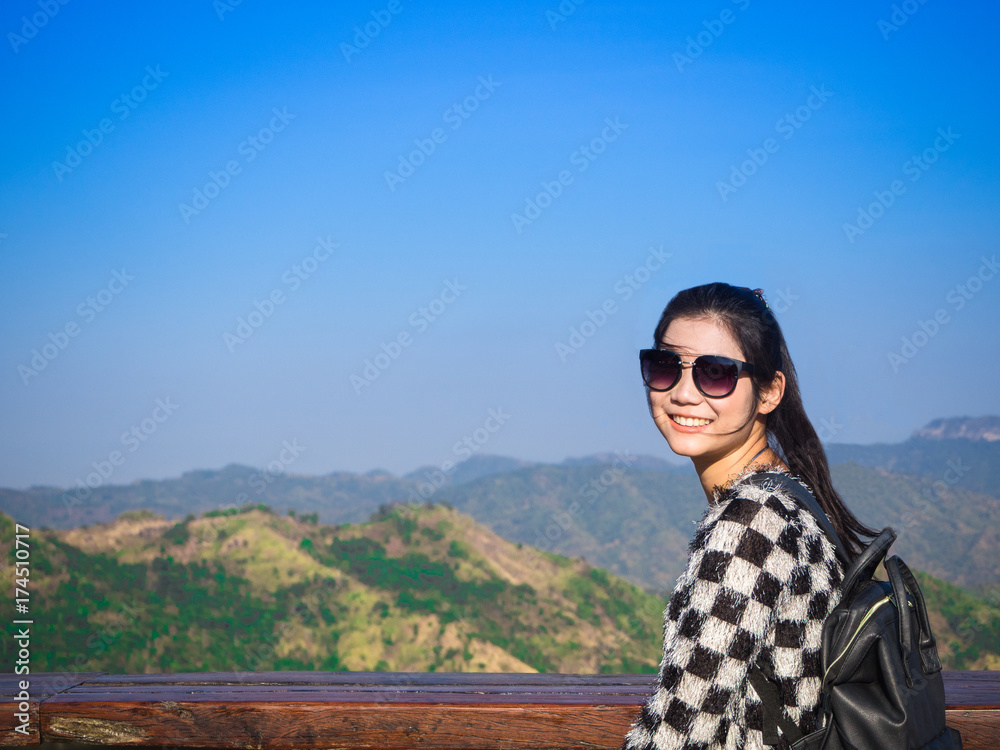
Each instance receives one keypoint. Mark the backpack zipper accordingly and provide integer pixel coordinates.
(854, 636)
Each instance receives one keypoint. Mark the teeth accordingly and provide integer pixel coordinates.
(691, 422)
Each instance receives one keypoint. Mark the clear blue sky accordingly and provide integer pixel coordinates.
(312, 127)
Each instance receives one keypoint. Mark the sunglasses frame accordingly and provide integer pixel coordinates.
(653, 354)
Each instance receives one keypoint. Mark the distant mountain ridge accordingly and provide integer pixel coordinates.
(941, 494)
(968, 428)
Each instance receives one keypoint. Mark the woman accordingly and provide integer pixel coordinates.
(762, 576)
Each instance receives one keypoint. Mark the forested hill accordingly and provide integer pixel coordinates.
(415, 589)
(941, 494)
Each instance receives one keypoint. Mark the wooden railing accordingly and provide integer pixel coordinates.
(362, 710)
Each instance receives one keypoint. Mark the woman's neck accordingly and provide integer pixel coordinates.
(719, 476)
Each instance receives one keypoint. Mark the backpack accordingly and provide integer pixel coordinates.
(882, 686)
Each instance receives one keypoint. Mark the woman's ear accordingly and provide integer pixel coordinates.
(771, 396)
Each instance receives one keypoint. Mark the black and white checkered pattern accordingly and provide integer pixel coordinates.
(761, 579)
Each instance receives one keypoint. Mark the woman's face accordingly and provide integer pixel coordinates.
(726, 431)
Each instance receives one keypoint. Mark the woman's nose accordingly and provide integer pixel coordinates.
(686, 391)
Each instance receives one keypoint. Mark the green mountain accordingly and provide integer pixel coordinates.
(970, 462)
(617, 519)
(415, 589)
(630, 515)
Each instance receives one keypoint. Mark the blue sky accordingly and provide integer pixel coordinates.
(470, 182)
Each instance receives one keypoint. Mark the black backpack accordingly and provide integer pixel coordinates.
(882, 686)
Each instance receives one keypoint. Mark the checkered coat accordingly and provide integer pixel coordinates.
(760, 580)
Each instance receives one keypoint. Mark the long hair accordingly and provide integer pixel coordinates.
(790, 434)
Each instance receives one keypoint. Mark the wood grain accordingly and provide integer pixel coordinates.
(367, 710)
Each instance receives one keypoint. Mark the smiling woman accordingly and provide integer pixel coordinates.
(762, 576)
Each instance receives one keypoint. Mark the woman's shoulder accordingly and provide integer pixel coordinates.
(757, 484)
(762, 502)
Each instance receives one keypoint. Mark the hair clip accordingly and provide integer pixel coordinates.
(760, 295)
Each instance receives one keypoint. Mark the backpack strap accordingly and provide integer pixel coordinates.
(902, 580)
(761, 675)
(864, 566)
(807, 501)
(766, 686)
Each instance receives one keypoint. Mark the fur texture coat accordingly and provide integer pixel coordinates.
(760, 580)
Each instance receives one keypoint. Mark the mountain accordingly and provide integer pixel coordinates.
(969, 428)
(647, 463)
(340, 497)
(472, 468)
(948, 531)
(967, 629)
(415, 589)
(631, 515)
(972, 465)
(637, 523)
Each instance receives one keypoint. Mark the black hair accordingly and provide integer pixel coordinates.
(751, 323)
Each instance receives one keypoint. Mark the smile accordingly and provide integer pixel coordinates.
(689, 422)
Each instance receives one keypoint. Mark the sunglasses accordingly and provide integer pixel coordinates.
(714, 377)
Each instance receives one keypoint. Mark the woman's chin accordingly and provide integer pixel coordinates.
(683, 445)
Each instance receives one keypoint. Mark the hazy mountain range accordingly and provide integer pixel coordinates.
(417, 588)
(631, 515)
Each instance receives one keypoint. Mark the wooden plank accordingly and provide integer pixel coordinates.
(359, 726)
(376, 678)
(16, 728)
(980, 729)
(64, 702)
(379, 725)
(285, 710)
(965, 690)
(971, 689)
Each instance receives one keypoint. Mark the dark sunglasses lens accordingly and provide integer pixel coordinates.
(716, 376)
(661, 371)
